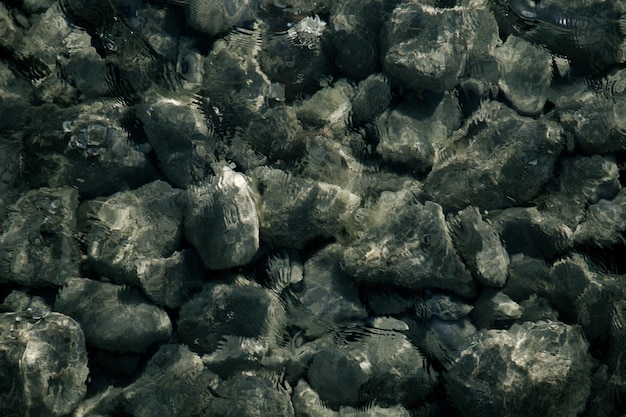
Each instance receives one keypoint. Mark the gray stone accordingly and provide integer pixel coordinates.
(479, 244)
(541, 368)
(124, 321)
(221, 220)
(37, 247)
(44, 364)
(232, 308)
(427, 48)
(178, 134)
(363, 371)
(355, 25)
(373, 95)
(249, 395)
(494, 309)
(173, 376)
(412, 249)
(215, 17)
(326, 296)
(133, 238)
(412, 133)
(532, 232)
(603, 223)
(293, 210)
(504, 161)
(525, 81)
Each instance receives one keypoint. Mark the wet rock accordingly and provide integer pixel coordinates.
(293, 211)
(527, 276)
(531, 369)
(177, 132)
(363, 371)
(249, 394)
(326, 297)
(412, 133)
(231, 308)
(427, 48)
(585, 295)
(331, 107)
(412, 249)
(479, 245)
(124, 320)
(594, 117)
(373, 95)
(292, 55)
(532, 232)
(11, 169)
(496, 164)
(494, 309)
(524, 81)
(213, 18)
(355, 25)
(307, 403)
(43, 362)
(85, 147)
(603, 223)
(37, 248)
(583, 181)
(134, 238)
(441, 306)
(587, 33)
(221, 220)
(172, 376)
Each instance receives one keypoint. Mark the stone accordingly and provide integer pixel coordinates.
(221, 220)
(37, 246)
(44, 364)
(124, 321)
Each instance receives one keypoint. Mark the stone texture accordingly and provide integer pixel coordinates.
(124, 321)
(44, 364)
(531, 369)
(37, 246)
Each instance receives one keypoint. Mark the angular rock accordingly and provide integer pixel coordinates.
(427, 48)
(326, 296)
(44, 364)
(532, 369)
(235, 308)
(604, 222)
(495, 309)
(307, 403)
(212, 18)
(37, 247)
(373, 95)
(412, 249)
(412, 133)
(363, 371)
(293, 210)
(221, 220)
(249, 395)
(177, 131)
(331, 106)
(355, 25)
(524, 81)
(133, 238)
(174, 383)
(503, 161)
(480, 247)
(113, 318)
(532, 232)
(583, 181)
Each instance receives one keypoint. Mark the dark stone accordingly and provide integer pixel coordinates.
(124, 321)
(541, 368)
(37, 247)
(43, 364)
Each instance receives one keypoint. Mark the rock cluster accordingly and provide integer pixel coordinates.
(330, 208)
